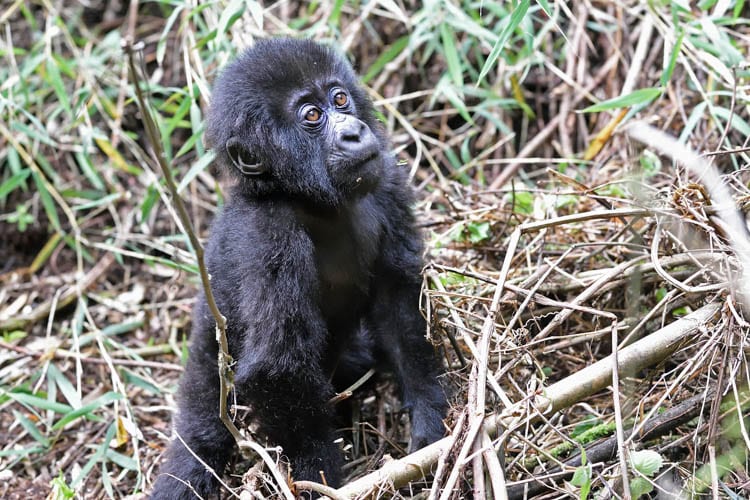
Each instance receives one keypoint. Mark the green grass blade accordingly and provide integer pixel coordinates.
(32, 429)
(451, 55)
(38, 403)
(515, 20)
(47, 201)
(55, 376)
(13, 182)
(197, 167)
(87, 409)
(387, 56)
(640, 96)
(667, 73)
(54, 78)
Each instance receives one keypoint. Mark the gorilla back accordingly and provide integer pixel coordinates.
(315, 263)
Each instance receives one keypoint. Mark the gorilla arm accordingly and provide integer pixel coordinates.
(398, 324)
(263, 275)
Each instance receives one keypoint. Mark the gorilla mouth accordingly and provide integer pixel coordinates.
(361, 174)
(368, 159)
(352, 164)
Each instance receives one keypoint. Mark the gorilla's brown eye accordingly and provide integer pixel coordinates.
(313, 114)
(341, 99)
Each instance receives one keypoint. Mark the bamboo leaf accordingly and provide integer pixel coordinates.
(387, 56)
(515, 20)
(640, 96)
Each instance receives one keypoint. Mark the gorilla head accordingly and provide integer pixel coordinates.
(297, 106)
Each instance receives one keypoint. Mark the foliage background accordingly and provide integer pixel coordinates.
(484, 102)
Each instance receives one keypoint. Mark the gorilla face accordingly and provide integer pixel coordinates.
(303, 129)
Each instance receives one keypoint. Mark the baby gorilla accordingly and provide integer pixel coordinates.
(314, 262)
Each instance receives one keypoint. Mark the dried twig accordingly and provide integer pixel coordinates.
(646, 352)
(607, 449)
(225, 360)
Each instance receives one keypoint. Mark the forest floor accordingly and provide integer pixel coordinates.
(583, 177)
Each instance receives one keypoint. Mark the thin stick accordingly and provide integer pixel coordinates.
(721, 198)
(641, 354)
(272, 466)
(224, 361)
(619, 427)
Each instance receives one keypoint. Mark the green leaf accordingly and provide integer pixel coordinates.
(522, 201)
(544, 4)
(54, 78)
(98, 456)
(37, 402)
(47, 202)
(21, 218)
(478, 231)
(650, 163)
(667, 73)
(104, 200)
(87, 409)
(640, 486)
(446, 89)
(55, 376)
(197, 167)
(737, 12)
(193, 141)
(161, 45)
(14, 336)
(229, 15)
(123, 461)
(515, 20)
(390, 54)
(13, 182)
(22, 452)
(647, 462)
(582, 477)
(149, 200)
(335, 17)
(451, 55)
(60, 489)
(35, 133)
(137, 381)
(89, 171)
(640, 96)
(738, 123)
(32, 429)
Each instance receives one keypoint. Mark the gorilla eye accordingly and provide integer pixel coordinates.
(340, 99)
(311, 114)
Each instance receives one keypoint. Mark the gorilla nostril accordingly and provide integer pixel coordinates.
(350, 132)
(351, 136)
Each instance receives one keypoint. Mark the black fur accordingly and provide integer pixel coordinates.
(314, 261)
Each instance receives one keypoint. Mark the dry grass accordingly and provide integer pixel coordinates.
(555, 239)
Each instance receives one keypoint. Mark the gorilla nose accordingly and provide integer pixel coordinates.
(354, 137)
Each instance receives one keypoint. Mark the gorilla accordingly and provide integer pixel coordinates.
(315, 262)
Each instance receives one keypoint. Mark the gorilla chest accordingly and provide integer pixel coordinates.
(345, 252)
(344, 269)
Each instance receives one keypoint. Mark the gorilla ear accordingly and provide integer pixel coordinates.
(245, 161)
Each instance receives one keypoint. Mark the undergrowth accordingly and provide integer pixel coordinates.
(512, 120)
